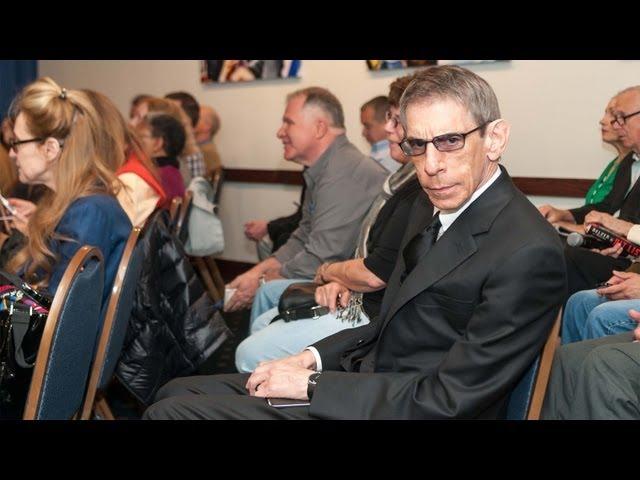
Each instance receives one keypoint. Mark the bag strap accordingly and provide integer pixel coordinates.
(20, 323)
(314, 312)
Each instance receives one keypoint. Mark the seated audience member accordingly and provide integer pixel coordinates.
(603, 185)
(341, 184)
(57, 140)
(206, 129)
(467, 308)
(372, 117)
(585, 268)
(195, 160)
(135, 110)
(596, 379)
(163, 138)
(142, 191)
(270, 236)
(368, 273)
(190, 152)
(603, 311)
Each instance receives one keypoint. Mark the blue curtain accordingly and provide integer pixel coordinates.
(14, 74)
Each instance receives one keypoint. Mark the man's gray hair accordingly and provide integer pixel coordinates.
(454, 83)
(325, 100)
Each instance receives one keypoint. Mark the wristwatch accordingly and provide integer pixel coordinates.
(311, 384)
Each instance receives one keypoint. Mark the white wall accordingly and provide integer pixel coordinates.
(554, 107)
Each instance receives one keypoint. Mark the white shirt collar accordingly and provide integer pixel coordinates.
(446, 219)
(635, 157)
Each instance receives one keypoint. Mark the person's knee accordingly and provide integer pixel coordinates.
(161, 410)
(247, 355)
(605, 360)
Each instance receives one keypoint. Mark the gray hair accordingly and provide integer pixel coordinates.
(325, 100)
(455, 83)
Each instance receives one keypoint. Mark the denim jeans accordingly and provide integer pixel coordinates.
(281, 339)
(588, 315)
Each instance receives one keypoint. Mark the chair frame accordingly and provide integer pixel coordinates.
(93, 398)
(544, 371)
(44, 350)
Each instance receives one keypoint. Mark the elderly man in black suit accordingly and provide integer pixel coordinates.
(471, 300)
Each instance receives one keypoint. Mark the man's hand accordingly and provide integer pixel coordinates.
(246, 286)
(614, 251)
(570, 226)
(24, 210)
(554, 215)
(617, 226)
(332, 295)
(284, 378)
(635, 315)
(255, 229)
(624, 286)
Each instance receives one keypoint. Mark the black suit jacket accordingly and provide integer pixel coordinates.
(617, 199)
(456, 336)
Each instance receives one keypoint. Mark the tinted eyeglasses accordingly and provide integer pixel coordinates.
(443, 143)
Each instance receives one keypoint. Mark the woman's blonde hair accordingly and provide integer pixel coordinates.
(122, 139)
(162, 105)
(85, 166)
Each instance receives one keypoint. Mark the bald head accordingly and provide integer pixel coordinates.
(208, 124)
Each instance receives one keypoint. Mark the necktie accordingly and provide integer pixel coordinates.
(420, 245)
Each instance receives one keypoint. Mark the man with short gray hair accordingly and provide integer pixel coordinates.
(341, 185)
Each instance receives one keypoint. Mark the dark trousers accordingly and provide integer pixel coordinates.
(595, 380)
(585, 269)
(216, 397)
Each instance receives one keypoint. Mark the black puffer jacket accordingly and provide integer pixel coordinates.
(174, 325)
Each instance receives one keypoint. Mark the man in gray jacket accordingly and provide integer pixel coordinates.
(341, 185)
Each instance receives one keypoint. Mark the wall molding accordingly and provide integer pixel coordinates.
(539, 186)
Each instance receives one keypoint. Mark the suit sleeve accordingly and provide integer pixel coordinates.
(519, 302)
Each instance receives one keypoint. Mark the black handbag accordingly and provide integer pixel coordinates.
(23, 315)
(299, 301)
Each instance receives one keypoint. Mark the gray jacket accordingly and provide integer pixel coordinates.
(341, 186)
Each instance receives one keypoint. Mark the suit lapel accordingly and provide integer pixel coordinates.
(455, 246)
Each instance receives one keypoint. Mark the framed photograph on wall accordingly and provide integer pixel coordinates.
(223, 71)
(395, 64)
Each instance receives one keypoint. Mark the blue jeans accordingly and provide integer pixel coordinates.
(268, 296)
(281, 339)
(588, 315)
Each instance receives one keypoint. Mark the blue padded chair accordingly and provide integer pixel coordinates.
(525, 401)
(64, 360)
(114, 329)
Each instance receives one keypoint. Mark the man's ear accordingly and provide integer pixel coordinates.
(321, 128)
(497, 137)
(51, 148)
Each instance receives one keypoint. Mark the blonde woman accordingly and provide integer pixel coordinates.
(59, 141)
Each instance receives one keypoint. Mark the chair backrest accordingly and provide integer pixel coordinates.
(176, 202)
(116, 320)
(68, 341)
(525, 401)
(181, 224)
(216, 180)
